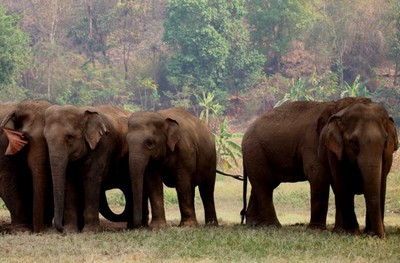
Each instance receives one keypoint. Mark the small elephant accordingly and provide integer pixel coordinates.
(86, 146)
(25, 176)
(359, 142)
(282, 146)
(174, 147)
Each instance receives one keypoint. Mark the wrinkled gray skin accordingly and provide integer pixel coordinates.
(174, 147)
(86, 144)
(359, 142)
(25, 182)
(282, 146)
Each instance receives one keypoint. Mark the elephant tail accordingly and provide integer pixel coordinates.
(243, 212)
(238, 177)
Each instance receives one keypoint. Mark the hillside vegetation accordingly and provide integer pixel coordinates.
(248, 55)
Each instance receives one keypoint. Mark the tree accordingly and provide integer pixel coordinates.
(210, 45)
(91, 32)
(275, 24)
(14, 51)
(394, 41)
(351, 38)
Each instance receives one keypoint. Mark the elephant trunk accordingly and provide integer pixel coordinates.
(38, 164)
(137, 167)
(58, 165)
(374, 191)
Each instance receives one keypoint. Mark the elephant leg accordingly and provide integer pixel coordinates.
(186, 194)
(71, 207)
(39, 197)
(345, 210)
(319, 204)
(154, 186)
(263, 186)
(13, 201)
(91, 208)
(206, 190)
(252, 216)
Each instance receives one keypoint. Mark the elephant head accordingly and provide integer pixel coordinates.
(71, 133)
(360, 140)
(23, 125)
(150, 137)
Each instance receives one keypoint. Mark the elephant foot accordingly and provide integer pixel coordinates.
(213, 222)
(373, 233)
(188, 223)
(14, 228)
(92, 229)
(351, 231)
(70, 229)
(157, 224)
(317, 226)
(274, 223)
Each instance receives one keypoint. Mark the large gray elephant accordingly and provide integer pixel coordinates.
(86, 145)
(359, 142)
(174, 147)
(25, 175)
(282, 146)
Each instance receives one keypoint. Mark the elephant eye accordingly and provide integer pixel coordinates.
(150, 144)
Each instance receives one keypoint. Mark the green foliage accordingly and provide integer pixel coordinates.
(228, 150)
(148, 93)
(357, 89)
(390, 99)
(14, 53)
(93, 86)
(394, 40)
(210, 45)
(312, 88)
(276, 24)
(208, 105)
(181, 98)
(91, 31)
(115, 198)
(297, 91)
(170, 196)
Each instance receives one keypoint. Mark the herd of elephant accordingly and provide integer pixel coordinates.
(57, 162)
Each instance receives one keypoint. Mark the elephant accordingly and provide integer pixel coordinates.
(86, 147)
(173, 147)
(359, 142)
(25, 176)
(10, 184)
(282, 146)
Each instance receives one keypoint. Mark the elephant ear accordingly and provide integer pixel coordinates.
(393, 142)
(173, 133)
(334, 140)
(94, 128)
(6, 121)
(16, 141)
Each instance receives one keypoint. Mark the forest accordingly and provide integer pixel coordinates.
(217, 58)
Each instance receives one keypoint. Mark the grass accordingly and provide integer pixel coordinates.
(230, 242)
